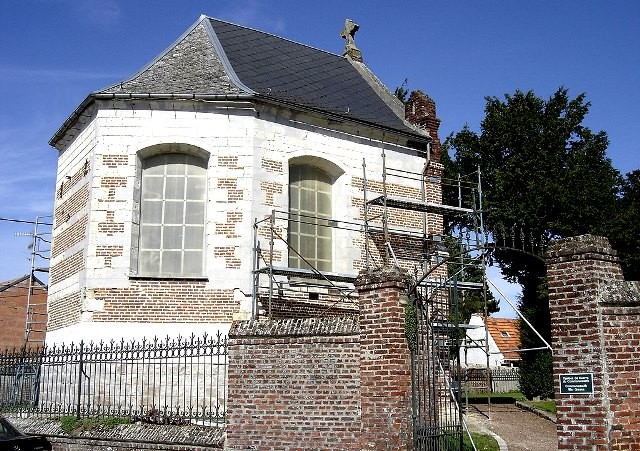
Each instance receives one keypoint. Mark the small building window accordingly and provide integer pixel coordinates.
(309, 217)
(505, 334)
(172, 216)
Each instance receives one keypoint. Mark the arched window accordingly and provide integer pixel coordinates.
(172, 216)
(309, 214)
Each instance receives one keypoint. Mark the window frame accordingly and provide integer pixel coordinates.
(193, 157)
(312, 224)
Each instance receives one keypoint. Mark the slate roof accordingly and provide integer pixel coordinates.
(506, 333)
(292, 72)
(214, 57)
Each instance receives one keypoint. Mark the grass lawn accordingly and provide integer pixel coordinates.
(547, 406)
(483, 442)
(498, 398)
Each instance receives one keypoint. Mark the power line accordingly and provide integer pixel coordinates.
(24, 221)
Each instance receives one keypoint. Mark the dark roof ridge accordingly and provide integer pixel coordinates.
(273, 35)
(382, 91)
(222, 55)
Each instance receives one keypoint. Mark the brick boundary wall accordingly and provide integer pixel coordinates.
(595, 317)
(324, 383)
(293, 384)
(385, 362)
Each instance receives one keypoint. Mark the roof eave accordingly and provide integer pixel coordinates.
(422, 138)
(91, 98)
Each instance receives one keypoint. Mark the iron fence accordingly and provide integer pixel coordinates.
(158, 380)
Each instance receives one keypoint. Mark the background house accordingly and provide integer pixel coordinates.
(231, 152)
(504, 338)
(23, 313)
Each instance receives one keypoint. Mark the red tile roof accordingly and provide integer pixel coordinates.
(506, 333)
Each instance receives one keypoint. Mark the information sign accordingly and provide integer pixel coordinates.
(576, 384)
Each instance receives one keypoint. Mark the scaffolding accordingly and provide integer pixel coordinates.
(36, 312)
(414, 245)
(406, 232)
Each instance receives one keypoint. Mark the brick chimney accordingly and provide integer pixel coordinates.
(420, 110)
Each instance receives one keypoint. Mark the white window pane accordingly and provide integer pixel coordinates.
(306, 228)
(194, 213)
(173, 212)
(324, 204)
(294, 198)
(172, 237)
(193, 237)
(192, 263)
(150, 237)
(323, 184)
(151, 212)
(308, 248)
(324, 249)
(308, 201)
(152, 187)
(196, 188)
(196, 166)
(154, 168)
(176, 164)
(171, 263)
(149, 262)
(174, 188)
(294, 225)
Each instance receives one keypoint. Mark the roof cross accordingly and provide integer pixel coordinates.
(348, 33)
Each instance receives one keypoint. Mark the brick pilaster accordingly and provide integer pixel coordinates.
(385, 370)
(579, 270)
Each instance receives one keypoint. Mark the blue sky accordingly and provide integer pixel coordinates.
(55, 52)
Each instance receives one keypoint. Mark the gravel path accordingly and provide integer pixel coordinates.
(520, 429)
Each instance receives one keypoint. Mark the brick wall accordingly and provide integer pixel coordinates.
(13, 305)
(324, 383)
(595, 319)
(294, 384)
(64, 310)
(385, 365)
(165, 301)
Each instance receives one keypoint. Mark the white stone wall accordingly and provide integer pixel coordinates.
(255, 140)
(473, 349)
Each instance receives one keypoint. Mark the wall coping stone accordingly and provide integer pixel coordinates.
(580, 248)
(389, 275)
(296, 327)
(620, 293)
(191, 434)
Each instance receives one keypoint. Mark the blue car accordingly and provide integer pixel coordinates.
(12, 439)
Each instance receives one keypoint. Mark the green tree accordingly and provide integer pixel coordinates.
(401, 92)
(625, 225)
(547, 175)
